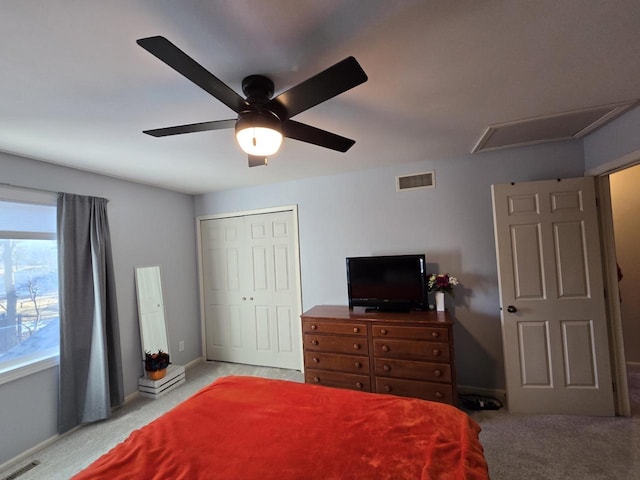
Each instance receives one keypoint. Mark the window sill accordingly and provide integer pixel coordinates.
(29, 367)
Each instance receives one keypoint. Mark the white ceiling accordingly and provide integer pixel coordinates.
(76, 89)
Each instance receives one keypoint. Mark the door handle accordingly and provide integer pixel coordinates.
(511, 309)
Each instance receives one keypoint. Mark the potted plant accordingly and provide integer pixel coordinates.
(156, 364)
(441, 283)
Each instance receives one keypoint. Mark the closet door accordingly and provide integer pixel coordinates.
(224, 267)
(250, 289)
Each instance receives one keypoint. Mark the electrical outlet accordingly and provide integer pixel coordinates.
(181, 345)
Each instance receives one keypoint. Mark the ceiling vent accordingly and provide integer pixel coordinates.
(416, 180)
(550, 128)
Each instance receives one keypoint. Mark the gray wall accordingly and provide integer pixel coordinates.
(362, 214)
(149, 226)
(613, 141)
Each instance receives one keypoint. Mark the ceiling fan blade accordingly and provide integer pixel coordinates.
(188, 67)
(322, 138)
(256, 161)
(190, 128)
(327, 84)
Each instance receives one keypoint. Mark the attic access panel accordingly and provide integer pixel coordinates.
(549, 128)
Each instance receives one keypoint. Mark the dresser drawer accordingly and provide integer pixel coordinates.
(337, 344)
(434, 372)
(390, 348)
(334, 361)
(310, 326)
(336, 379)
(440, 334)
(438, 392)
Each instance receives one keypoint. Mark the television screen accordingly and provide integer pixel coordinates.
(392, 282)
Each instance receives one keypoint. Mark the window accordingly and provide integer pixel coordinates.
(29, 319)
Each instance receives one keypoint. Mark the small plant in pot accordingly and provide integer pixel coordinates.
(156, 364)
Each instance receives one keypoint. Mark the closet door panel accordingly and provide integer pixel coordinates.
(249, 269)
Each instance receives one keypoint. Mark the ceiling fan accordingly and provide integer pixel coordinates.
(262, 121)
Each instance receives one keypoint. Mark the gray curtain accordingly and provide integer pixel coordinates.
(90, 361)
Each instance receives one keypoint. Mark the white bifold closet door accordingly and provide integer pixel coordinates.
(251, 291)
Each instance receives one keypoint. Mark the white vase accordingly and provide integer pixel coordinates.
(440, 301)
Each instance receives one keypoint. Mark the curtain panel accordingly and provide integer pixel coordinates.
(90, 361)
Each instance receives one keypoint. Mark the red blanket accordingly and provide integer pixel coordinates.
(246, 428)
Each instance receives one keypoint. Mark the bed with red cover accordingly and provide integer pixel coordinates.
(255, 428)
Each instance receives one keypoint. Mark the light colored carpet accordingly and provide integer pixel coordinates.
(560, 447)
(567, 447)
(517, 447)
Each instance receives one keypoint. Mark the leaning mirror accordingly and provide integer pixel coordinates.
(153, 328)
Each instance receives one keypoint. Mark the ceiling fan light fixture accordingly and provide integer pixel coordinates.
(258, 134)
(262, 119)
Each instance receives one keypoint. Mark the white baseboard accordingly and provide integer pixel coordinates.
(24, 456)
(194, 362)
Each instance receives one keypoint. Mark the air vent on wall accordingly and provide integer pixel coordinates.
(550, 128)
(416, 180)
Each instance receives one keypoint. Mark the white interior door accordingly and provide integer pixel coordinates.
(552, 298)
(274, 292)
(223, 267)
(250, 289)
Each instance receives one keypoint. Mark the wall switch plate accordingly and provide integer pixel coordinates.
(181, 345)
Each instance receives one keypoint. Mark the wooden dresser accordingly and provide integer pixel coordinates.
(408, 354)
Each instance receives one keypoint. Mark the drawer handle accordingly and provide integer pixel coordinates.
(356, 346)
(385, 348)
(436, 352)
(314, 327)
(358, 365)
(356, 329)
(314, 342)
(359, 385)
(383, 331)
(316, 360)
(386, 368)
(387, 388)
(437, 373)
(439, 395)
(435, 334)
(316, 379)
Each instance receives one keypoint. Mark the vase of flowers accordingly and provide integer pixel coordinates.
(441, 283)
(155, 364)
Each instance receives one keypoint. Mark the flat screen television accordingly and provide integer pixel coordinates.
(389, 283)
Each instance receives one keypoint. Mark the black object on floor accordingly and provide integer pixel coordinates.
(480, 402)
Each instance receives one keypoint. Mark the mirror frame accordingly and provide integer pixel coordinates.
(146, 278)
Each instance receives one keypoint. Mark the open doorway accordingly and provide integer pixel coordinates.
(625, 205)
